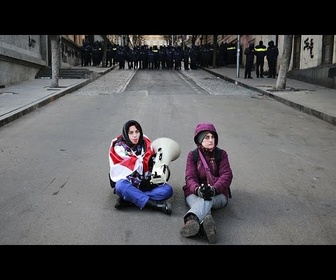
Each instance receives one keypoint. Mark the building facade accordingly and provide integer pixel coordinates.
(21, 56)
(313, 57)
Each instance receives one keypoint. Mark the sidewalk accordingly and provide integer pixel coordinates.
(308, 98)
(18, 100)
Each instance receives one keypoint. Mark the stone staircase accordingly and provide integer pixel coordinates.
(65, 73)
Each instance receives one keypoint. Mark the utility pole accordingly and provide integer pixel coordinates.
(238, 54)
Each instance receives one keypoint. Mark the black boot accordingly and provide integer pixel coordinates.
(121, 203)
(163, 206)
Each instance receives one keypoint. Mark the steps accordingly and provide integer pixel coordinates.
(65, 73)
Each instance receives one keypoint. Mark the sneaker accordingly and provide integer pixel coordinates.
(191, 226)
(210, 229)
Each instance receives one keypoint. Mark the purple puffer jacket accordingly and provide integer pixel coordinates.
(195, 173)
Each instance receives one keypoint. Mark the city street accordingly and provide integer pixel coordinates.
(54, 164)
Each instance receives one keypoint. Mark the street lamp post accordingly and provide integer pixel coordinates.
(238, 54)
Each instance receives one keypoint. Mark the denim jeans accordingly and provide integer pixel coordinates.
(128, 192)
(201, 207)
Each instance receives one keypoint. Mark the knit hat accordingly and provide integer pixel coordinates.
(201, 136)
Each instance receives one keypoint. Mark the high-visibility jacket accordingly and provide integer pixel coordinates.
(260, 51)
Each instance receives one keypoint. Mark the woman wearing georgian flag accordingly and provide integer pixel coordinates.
(131, 160)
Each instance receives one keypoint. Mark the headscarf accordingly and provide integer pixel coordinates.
(125, 130)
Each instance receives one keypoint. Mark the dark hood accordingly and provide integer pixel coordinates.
(205, 126)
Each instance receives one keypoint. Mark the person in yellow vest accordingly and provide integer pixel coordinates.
(260, 51)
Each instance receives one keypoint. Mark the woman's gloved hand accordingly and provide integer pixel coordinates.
(206, 192)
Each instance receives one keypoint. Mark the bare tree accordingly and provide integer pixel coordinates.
(193, 39)
(137, 39)
(285, 61)
(55, 41)
(168, 39)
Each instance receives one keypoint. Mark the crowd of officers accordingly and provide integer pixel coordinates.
(158, 57)
(260, 52)
(176, 57)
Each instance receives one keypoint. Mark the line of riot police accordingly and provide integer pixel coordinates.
(92, 54)
(162, 57)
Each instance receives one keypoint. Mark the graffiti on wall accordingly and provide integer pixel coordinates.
(309, 45)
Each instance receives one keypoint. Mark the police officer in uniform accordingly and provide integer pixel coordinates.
(249, 53)
(260, 53)
(186, 56)
(271, 56)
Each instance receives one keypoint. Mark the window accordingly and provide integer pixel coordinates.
(296, 52)
(327, 49)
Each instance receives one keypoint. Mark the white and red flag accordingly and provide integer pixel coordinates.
(122, 165)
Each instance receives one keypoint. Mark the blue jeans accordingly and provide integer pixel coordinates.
(201, 207)
(128, 192)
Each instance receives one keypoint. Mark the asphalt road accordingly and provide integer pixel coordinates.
(54, 164)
